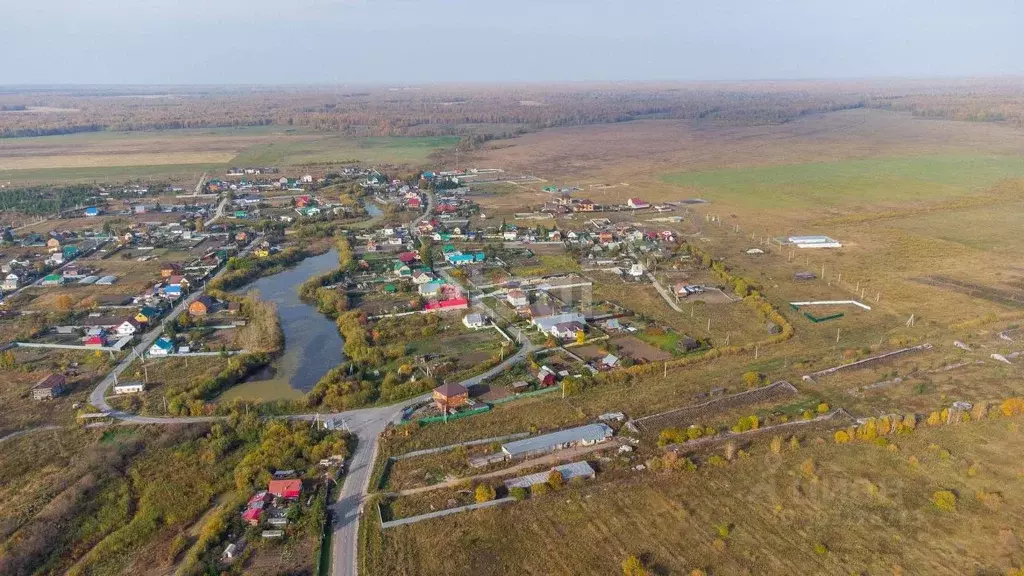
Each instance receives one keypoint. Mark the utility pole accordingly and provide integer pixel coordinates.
(837, 335)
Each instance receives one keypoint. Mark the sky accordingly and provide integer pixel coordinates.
(442, 41)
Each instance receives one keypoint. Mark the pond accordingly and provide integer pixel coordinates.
(312, 343)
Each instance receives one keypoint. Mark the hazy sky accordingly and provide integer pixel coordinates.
(430, 41)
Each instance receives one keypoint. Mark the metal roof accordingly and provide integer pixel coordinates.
(588, 433)
(569, 471)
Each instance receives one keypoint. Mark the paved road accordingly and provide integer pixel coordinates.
(98, 396)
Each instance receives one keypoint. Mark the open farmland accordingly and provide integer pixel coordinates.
(816, 509)
(182, 155)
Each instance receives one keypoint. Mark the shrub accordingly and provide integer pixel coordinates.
(633, 566)
(820, 549)
(519, 493)
(807, 415)
(723, 529)
(1012, 406)
(484, 493)
(934, 419)
(669, 436)
(751, 378)
(842, 437)
(823, 408)
(540, 489)
(717, 460)
(808, 469)
(556, 480)
(776, 445)
(944, 500)
(694, 432)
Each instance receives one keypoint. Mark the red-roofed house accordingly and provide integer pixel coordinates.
(637, 203)
(450, 304)
(288, 489)
(252, 516)
(408, 257)
(414, 202)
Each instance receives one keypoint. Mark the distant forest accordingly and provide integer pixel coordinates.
(486, 112)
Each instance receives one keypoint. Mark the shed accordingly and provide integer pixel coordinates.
(49, 387)
(545, 443)
(568, 472)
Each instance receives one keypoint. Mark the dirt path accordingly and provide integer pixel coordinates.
(553, 458)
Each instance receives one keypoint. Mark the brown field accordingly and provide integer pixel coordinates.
(821, 508)
(640, 350)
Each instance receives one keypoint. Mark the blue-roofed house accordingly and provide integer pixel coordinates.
(459, 259)
(92, 211)
(162, 347)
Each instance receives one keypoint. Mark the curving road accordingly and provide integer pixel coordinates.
(366, 424)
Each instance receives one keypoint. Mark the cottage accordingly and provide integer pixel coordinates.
(408, 257)
(49, 387)
(252, 516)
(129, 388)
(474, 321)
(401, 270)
(450, 396)
(162, 347)
(546, 323)
(567, 330)
(430, 289)
(92, 211)
(637, 203)
(53, 245)
(421, 276)
(458, 303)
(11, 282)
(517, 298)
(171, 269)
(147, 315)
(201, 306)
(585, 205)
(96, 340)
(546, 377)
(287, 489)
(128, 328)
(580, 436)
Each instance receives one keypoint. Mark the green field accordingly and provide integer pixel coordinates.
(374, 150)
(851, 183)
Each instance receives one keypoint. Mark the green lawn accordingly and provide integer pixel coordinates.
(851, 182)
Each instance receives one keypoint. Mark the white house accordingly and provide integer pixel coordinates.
(11, 282)
(307, 178)
(421, 277)
(474, 321)
(566, 330)
(637, 203)
(162, 347)
(636, 270)
(129, 388)
(517, 298)
(128, 328)
(509, 235)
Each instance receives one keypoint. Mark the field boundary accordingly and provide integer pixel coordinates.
(440, 513)
(761, 394)
(866, 362)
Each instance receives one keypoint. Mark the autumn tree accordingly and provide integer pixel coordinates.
(484, 493)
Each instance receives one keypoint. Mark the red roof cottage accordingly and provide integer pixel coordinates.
(288, 489)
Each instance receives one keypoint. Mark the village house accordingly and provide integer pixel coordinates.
(287, 489)
(53, 245)
(585, 205)
(517, 298)
(449, 396)
(474, 321)
(566, 330)
(201, 306)
(170, 269)
(431, 289)
(11, 282)
(129, 327)
(49, 387)
(421, 276)
(637, 203)
(162, 347)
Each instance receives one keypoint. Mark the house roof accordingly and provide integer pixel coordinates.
(204, 300)
(50, 381)
(451, 389)
(163, 344)
(285, 488)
